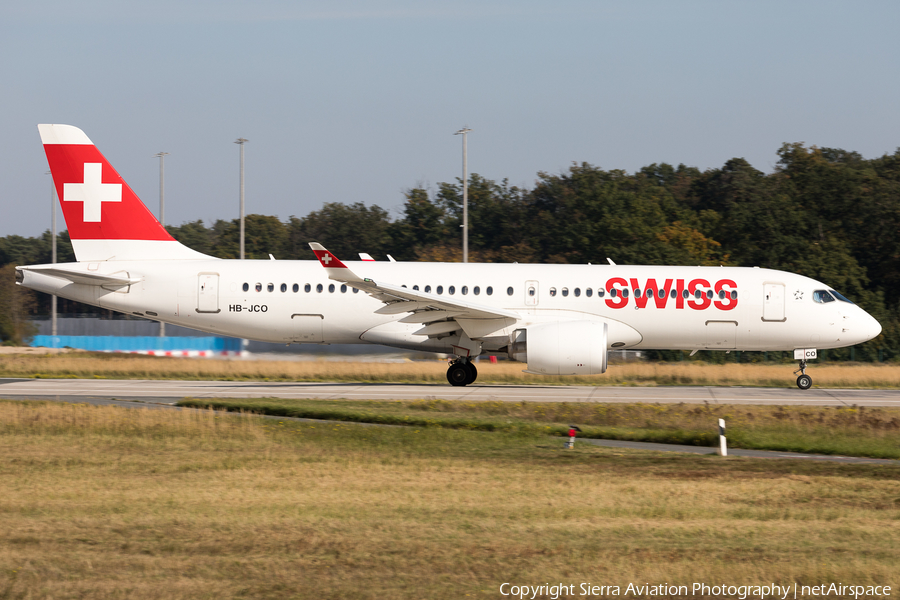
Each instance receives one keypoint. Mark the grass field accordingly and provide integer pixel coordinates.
(86, 365)
(850, 431)
(102, 502)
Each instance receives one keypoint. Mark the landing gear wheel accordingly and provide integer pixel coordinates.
(804, 382)
(473, 373)
(458, 374)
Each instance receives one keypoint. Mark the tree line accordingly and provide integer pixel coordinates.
(826, 213)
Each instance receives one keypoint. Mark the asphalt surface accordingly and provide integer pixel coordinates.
(172, 391)
(163, 395)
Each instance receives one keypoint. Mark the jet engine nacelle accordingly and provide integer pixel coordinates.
(561, 347)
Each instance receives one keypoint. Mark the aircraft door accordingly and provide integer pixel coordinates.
(773, 302)
(208, 293)
(532, 294)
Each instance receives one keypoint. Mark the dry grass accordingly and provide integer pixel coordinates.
(103, 502)
(679, 373)
(843, 430)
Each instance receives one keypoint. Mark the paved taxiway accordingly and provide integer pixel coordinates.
(172, 391)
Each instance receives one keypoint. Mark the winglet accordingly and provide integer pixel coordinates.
(335, 268)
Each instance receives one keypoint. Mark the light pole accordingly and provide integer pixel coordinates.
(162, 209)
(241, 142)
(464, 132)
(162, 186)
(53, 329)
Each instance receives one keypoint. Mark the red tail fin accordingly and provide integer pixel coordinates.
(106, 219)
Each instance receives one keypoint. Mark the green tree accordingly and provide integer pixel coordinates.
(344, 229)
(262, 236)
(195, 235)
(17, 306)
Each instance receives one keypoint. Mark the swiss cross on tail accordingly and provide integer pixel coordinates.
(92, 193)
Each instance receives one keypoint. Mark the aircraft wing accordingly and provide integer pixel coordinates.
(83, 277)
(439, 315)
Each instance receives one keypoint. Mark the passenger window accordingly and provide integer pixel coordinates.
(600, 292)
(722, 295)
(625, 293)
(283, 288)
(588, 292)
(613, 293)
(552, 292)
(344, 288)
(427, 289)
(270, 287)
(510, 291)
(415, 287)
(440, 289)
(734, 295)
(637, 292)
(662, 294)
(709, 294)
(319, 288)
(489, 291)
(476, 290)
(331, 288)
(451, 290)
(465, 290)
(821, 296)
(258, 287)
(673, 293)
(684, 294)
(246, 287)
(577, 292)
(565, 292)
(307, 288)
(296, 288)
(355, 291)
(531, 291)
(648, 293)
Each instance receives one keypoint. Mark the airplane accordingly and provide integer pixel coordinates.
(558, 319)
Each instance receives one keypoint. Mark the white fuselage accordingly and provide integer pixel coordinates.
(749, 308)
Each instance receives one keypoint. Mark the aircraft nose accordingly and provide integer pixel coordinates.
(860, 326)
(869, 327)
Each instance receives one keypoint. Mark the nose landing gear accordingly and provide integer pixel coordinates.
(804, 382)
(461, 372)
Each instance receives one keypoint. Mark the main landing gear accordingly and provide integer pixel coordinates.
(461, 372)
(804, 382)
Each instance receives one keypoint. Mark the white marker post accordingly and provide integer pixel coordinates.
(723, 448)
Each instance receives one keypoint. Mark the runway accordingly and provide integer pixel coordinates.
(172, 391)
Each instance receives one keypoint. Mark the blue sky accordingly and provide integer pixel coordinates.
(357, 101)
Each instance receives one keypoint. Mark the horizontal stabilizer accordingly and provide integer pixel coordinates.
(82, 276)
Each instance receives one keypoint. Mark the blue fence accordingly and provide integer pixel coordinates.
(114, 343)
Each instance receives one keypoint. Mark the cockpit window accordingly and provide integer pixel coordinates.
(840, 297)
(821, 296)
